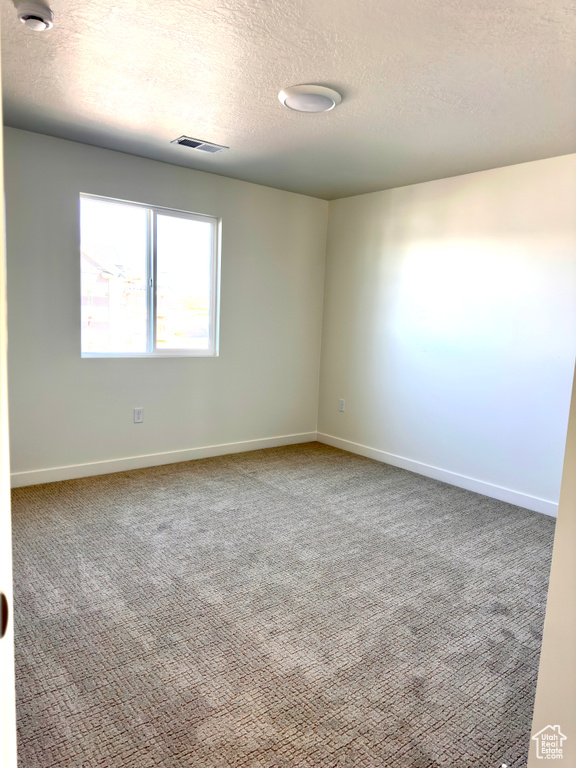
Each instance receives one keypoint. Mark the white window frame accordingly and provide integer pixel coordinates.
(151, 276)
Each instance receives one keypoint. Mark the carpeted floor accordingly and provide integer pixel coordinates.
(297, 607)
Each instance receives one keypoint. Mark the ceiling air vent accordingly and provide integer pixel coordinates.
(201, 146)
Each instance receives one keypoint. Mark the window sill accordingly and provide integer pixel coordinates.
(157, 355)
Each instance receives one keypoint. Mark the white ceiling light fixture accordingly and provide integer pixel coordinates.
(36, 16)
(309, 98)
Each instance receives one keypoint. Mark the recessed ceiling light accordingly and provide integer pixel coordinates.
(309, 98)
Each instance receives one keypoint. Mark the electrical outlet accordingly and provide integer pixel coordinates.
(342, 405)
(138, 415)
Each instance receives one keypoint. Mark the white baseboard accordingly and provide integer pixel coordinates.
(53, 474)
(453, 478)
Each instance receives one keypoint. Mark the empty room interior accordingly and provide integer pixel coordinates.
(291, 317)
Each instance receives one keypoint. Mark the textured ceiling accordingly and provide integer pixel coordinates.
(431, 89)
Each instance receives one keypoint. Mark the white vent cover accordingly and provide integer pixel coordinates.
(201, 146)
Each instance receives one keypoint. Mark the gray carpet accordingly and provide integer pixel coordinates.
(297, 607)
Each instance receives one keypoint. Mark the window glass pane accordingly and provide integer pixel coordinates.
(114, 276)
(183, 260)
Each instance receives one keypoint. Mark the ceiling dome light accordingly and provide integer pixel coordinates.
(36, 16)
(309, 98)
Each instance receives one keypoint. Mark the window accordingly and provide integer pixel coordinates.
(149, 280)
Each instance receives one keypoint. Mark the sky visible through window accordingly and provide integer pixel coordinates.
(114, 249)
(183, 283)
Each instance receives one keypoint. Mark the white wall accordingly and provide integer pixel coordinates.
(450, 328)
(449, 323)
(68, 411)
(556, 691)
